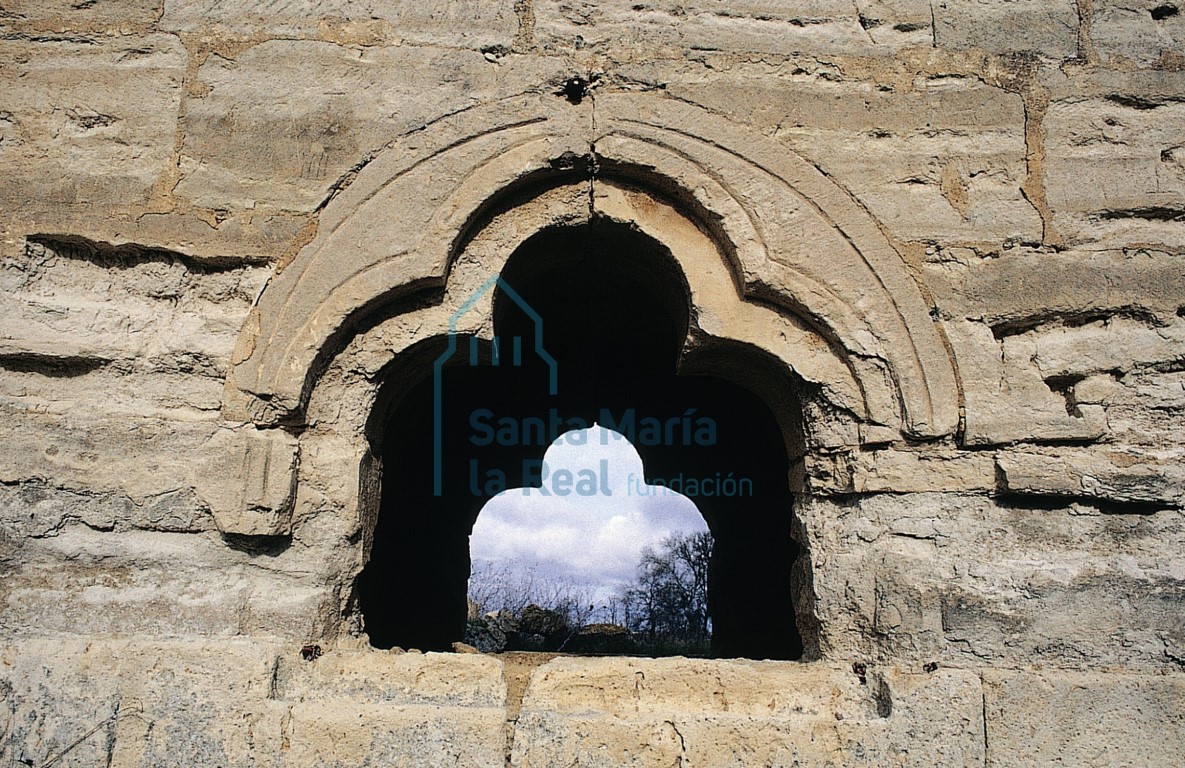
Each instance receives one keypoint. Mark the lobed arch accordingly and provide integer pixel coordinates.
(792, 264)
(786, 278)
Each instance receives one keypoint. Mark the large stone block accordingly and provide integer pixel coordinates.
(139, 458)
(817, 26)
(87, 123)
(1045, 27)
(337, 734)
(896, 471)
(942, 160)
(1112, 345)
(1115, 161)
(1147, 409)
(961, 579)
(1008, 398)
(34, 508)
(378, 708)
(1148, 32)
(51, 696)
(394, 678)
(1018, 288)
(270, 134)
(1093, 720)
(463, 23)
(200, 705)
(143, 704)
(111, 16)
(613, 712)
(248, 479)
(1122, 475)
(253, 236)
(71, 306)
(146, 584)
(59, 380)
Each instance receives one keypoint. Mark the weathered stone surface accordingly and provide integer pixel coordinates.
(396, 679)
(35, 509)
(961, 579)
(880, 471)
(52, 695)
(145, 458)
(468, 24)
(1113, 474)
(87, 122)
(61, 381)
(1148, 409)
(251, 236)
(602, 639)
(1147, 32)
(1038, 718)
(1119, 344)
(233, 704)
(1019, 287)
(1068, 330)
(1115, 162)
(248, 478)
(240, 701)
(49, 16)
(93, 304)
(264, 133)
(943, 159)
(667, 711)
(1028, 391)
(897, 22)
(330, 734)
(381, 708)
(1007, 399)
(152, 703)
(152, 584)
(868, 26)
(1045, 27)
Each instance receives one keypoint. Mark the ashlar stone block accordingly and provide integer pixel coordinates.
(1084, 719)
(1046, 27)
(248, 478)
(87, 123)
(467, 23)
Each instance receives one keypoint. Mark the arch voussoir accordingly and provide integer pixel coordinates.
(788, 235)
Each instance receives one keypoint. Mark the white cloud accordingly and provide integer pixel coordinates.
(593, 540)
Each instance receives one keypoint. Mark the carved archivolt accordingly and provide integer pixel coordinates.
(775, 253)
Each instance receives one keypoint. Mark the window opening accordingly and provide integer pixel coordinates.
(611, 308)
(593, 560)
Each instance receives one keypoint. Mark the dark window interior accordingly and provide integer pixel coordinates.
(614, 311)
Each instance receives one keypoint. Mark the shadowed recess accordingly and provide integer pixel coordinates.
(614, 310)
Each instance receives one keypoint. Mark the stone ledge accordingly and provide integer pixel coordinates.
(240, 701)
(1121, 475)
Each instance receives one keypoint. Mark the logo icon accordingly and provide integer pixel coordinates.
(497, 356)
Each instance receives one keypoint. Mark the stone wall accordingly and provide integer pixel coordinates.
(1008, 594)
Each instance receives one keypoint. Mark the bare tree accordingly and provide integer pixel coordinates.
(497, 586)
(667, 607)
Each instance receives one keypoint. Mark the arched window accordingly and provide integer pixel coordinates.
(593, 552)
(606, 311)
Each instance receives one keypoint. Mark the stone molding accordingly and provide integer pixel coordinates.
(792, 237)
